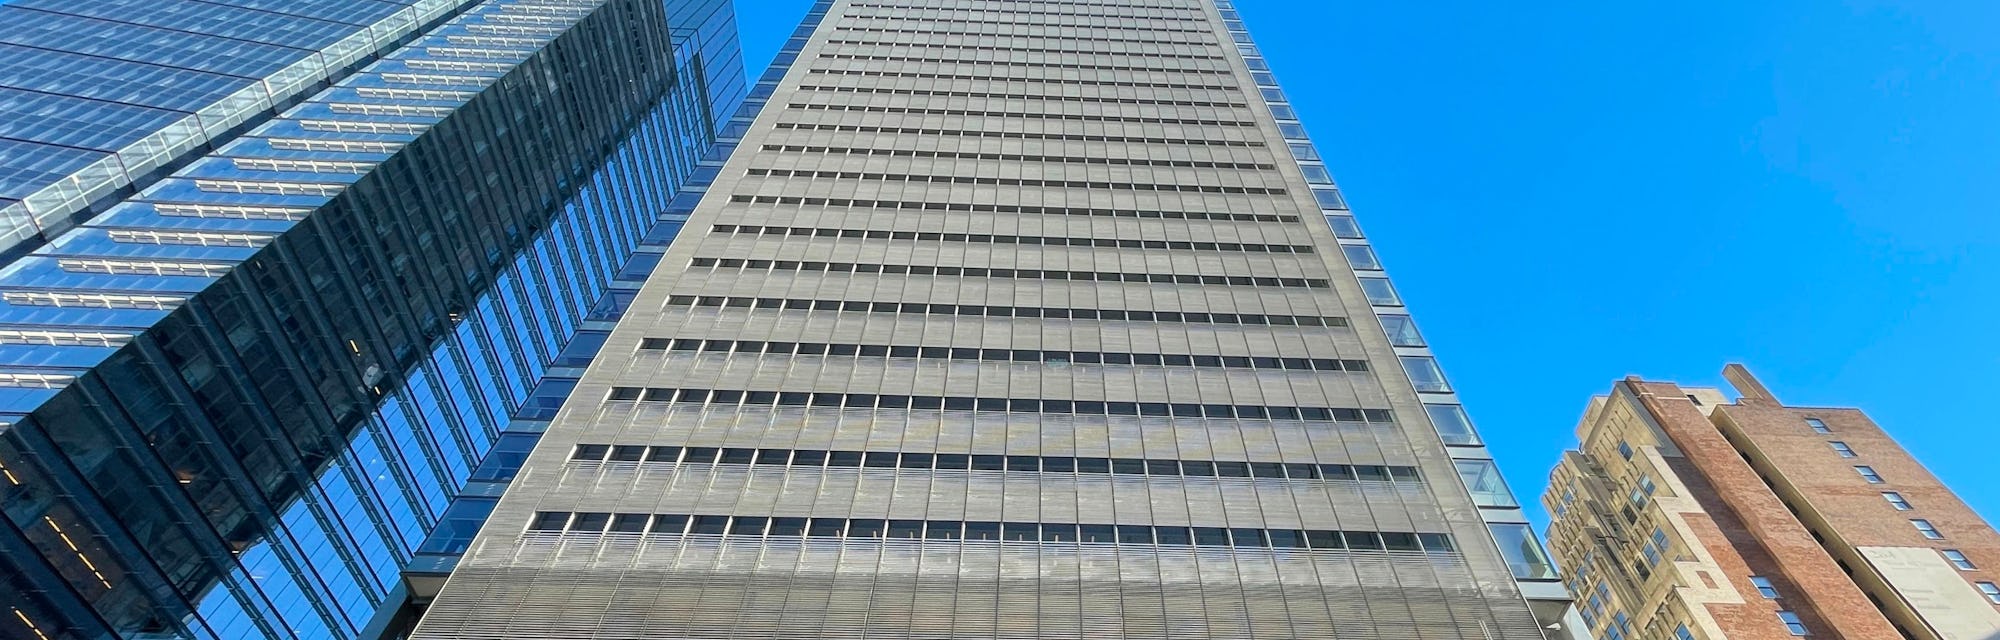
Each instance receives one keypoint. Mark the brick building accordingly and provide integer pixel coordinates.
(1683, 515)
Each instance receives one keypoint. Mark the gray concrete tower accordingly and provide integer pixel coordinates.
(1009, 320)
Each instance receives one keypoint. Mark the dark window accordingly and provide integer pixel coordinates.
(548, 521)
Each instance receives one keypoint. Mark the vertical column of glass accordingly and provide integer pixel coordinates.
(655, 159)
(1502, 512)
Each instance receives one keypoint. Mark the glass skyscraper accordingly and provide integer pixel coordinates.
(1035, 319)
(290, 287)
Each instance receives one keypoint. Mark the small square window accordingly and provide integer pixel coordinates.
(1624, 450)
(1990, 590)
(1792, 623)
(1868, 473)
(1896, 500)
(1924, 527)
(1764, 587)
(1841, 448)
(1379, 292)
(1818, 426)
(1958, 559)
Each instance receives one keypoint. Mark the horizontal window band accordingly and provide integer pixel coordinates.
(1199, 317)
(754, 264)
(1017, 23)
(972, 462)
(967, 76)
(1020, 157)
(1079, 117)
(1016, 96)
(1011, 182)
(1010, 63)
(1017, 405)
(1008, 208)
(975, 354)
(870, 5)
(954, 530)
(1070, 38)
(987, 238)
(1029, 136)
(1040, 50)
(1095, 5)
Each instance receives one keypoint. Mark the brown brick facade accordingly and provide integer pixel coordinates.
(1676, 497)
(1759, 536)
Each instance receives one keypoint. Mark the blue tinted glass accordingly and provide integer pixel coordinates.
(76, 122)
(205, 18)
(132, 42)
(128, 82)
(26, 166)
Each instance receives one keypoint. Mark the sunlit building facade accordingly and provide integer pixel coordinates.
(1684, 513)
(285, 275)
(1010, 320)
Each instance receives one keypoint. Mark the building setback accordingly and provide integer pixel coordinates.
(280, 277)
(1010, 319)
(1683, 515)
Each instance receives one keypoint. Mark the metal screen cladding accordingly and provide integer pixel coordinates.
(1003, 320)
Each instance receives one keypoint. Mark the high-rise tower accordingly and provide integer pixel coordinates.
(1010, 319)
(280, 277)
(1684, 515)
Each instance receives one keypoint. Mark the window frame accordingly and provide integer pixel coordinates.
(1926, 529)
(1897, 500)
(1764, 587)
(1868, 473)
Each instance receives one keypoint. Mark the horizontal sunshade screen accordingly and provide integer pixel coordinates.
(1014, 78)
(1018, 157)
(752, 264)
(867, 528)
(1045, 135)
(812, 458)
(1017, 96)
(1013, 182)
(795, 304)
(984, 238)
(1001, 355)
(1008, 208)
(1017, 405)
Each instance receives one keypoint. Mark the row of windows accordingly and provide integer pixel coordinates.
(1133, 14)
(866, 528)
(1009, 208)
(975, 354)
(1074, 36)
(928, 21)
(1020, 157)
(1038, 115)
(983, 238)
(1032, 65)
(753, 264)
(1023, 135)
(1071, 3)
(1106, 50)
(1017, 405)
(1013, 182)
(1000, 78)
(996, 311)
(1016, 96)
(973, 462)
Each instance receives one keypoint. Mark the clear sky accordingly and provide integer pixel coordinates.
(1570, 194)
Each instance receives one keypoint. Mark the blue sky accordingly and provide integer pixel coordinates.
(1568, 194)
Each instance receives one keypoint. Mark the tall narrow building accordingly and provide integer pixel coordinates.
(1685, 515)
(1010, 320)
(281, 278)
